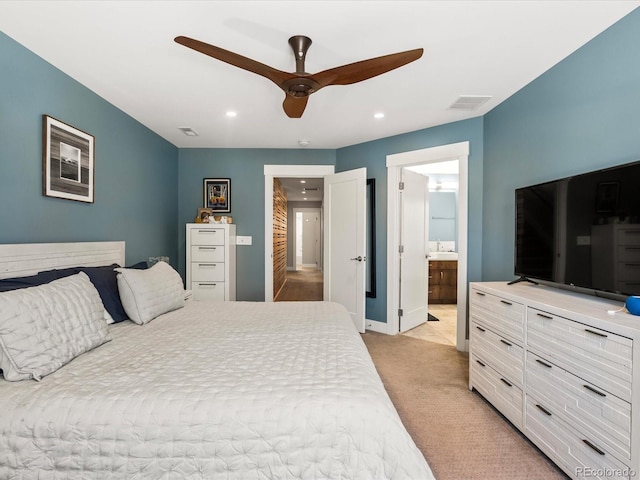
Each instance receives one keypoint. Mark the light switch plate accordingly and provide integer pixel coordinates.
(240, 240)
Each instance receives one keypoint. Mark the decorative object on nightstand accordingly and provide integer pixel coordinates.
(211, 261)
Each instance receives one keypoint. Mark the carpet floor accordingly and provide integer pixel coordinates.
(460, 434)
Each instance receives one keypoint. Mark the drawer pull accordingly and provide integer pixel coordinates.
(632, 264)
(481, 294)
(207, 248)
(506, 303)
(506, 343)
(543, 363)
(544, 410)
(207, 231)
(508, 384)
(208, 284)
(481, 329)
(480, 363)
(595, 333)
(548, 317)
(592, 446)
(591, 389)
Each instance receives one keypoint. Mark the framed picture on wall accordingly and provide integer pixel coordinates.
(217, 194)
(67, 161)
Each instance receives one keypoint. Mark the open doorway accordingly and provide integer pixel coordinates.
(282, 172)
(442, 264)
(298, 237)
(395, 163)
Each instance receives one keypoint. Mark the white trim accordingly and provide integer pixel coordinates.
(22, 259)
(376, 326)
(455, 151)
(271, 172)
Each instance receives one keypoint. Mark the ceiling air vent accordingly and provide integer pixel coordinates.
(470, 102)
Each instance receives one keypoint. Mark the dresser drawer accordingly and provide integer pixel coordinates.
(628, 235)
(630, 253)
(208, 291)
(499, 391)
(500, 315)
(602, 358)
(207, 272)
(503, 355)
(207, 253)
(604, 417)
(576, 454)
(628, 271)
(207, 236)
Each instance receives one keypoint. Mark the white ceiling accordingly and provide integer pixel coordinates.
(124, 51)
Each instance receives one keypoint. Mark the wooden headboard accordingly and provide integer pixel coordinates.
(22, 259)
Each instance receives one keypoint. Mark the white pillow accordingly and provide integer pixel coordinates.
(42, 328)
(145, 294)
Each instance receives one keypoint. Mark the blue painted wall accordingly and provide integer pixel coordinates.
(245, 168)
(581, 115)
(373, 155)
(135, 170)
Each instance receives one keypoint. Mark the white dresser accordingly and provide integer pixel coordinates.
(211, 261)
(560, 368)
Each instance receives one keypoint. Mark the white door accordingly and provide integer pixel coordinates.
(345, 241)
(414, 249)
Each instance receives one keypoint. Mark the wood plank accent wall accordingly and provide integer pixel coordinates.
(279, 237)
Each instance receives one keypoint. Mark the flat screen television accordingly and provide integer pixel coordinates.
(582, 231)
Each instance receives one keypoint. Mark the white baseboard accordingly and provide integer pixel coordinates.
(376, 326)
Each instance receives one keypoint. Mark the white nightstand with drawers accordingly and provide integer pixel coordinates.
(211, 261)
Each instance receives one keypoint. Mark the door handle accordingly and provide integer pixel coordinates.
(358, 258)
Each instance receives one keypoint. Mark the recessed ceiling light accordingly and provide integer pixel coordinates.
(304, 198)
(303, 181)
(231, 113)
(188, 131)
(378, 115)
(304, 143)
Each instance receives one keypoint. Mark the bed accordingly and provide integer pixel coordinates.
(231, 390)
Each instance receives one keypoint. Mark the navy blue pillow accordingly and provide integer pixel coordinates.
(103, 278)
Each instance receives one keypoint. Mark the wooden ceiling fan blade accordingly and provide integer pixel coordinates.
(276, 76)
(294, 106)
(365, 69)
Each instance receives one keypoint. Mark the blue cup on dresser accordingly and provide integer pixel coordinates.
(633, 305)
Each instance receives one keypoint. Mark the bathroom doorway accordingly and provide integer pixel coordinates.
(439, 247)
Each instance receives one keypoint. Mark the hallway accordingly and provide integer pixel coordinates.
(301, 285)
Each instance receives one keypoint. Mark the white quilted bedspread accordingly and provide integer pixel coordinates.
(236, 390)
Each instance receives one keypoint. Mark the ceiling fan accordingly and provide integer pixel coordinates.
(300, 84)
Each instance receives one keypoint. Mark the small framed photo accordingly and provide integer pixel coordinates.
(204, 214)
(67, 161)
(217, 194)
(607, 197)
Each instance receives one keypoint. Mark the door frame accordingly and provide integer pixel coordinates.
(455, 151)
(280, 171)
